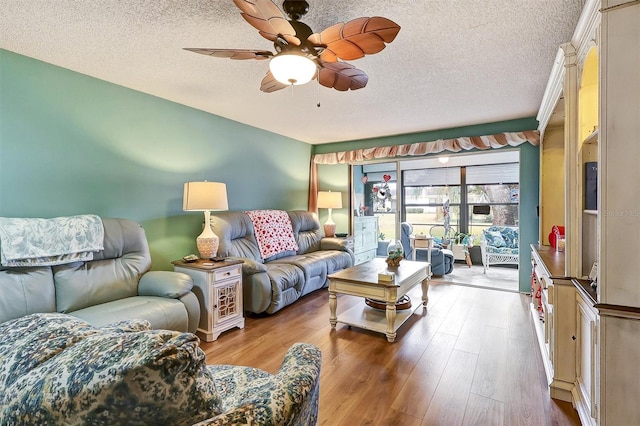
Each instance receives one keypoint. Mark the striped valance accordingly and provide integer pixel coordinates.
(423, 148)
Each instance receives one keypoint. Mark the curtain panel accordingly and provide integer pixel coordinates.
(496, 141)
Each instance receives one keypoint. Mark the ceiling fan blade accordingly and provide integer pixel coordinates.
(270, 84)
(268, 19)
(356, 38)
(233, 53)
(341, 76)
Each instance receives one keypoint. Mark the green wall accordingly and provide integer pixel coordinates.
(71, 144)
(335, 177)
(529, 201)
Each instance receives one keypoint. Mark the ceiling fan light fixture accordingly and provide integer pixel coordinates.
(292, 68)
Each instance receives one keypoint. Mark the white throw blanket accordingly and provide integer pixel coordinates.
(55, 241)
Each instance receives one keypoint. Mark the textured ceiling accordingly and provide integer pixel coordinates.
(454, 62)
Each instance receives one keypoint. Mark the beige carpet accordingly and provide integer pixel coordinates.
(497, 277)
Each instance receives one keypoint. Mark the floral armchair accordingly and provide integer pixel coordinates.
(499, 245)
(58, 369)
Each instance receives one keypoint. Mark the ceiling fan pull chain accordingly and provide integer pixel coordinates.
(318, 89)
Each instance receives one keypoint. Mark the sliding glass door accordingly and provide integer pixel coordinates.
(439, 196)
(375, 193)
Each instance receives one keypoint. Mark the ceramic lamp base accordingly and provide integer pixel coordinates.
(208, 246)
(329, 229)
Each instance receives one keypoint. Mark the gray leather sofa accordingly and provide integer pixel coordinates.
(116, 285)
(273, 283)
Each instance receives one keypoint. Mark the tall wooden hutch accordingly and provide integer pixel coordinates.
(590, 115)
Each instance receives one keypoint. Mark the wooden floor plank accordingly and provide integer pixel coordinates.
(455, 319)
(524, 396)
(490, 378)
(453, 390)
(471, 335)
(421, 378)
(483, 411)
(414, 398)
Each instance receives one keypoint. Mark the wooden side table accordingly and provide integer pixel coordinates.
(422, 243)
(218, 286)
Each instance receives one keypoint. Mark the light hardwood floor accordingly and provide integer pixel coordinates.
(470, 360)
(497, 277)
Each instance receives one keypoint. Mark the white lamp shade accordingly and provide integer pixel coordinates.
(205, 196)
(291, 68)
(329, 200)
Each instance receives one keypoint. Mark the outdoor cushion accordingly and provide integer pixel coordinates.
(495, 239)
(502, 250)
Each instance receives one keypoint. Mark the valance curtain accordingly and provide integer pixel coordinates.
(496, 141)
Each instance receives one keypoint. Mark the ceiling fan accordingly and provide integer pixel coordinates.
(302, 55)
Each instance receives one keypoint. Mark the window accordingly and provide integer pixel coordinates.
(497, 187)
(425, 192)
(492, 189)
(482, 189)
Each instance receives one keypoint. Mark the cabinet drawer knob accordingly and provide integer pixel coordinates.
(227, 273)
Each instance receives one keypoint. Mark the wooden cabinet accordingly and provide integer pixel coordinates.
(555, 320)
(365, 238)
(595, 76)
(218, 286)
(619, 214)
(585, 395)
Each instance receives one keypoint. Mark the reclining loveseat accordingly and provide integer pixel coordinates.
(115, 285)
(275, 278)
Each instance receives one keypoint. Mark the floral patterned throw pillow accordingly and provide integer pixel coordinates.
(273, 231)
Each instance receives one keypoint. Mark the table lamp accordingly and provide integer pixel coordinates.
(204, 197)
(329, 200)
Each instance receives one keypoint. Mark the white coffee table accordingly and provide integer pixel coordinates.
(362, 280)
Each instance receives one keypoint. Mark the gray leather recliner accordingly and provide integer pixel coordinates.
(442, 260)
(116, 285)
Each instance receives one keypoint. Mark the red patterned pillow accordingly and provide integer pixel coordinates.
(273, 231)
